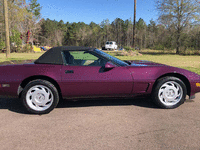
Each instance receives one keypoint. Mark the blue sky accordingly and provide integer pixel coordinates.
(97, 10)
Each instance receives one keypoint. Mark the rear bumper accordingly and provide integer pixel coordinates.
(108, 47)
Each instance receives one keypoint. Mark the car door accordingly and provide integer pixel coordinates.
(86, 77)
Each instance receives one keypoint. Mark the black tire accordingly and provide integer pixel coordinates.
(169, 92)
(31, 102)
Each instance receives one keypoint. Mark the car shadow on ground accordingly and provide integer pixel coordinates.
(141, 102)
(15, 105)
(12, 104)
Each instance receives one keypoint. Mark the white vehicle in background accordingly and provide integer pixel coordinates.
(111, 45)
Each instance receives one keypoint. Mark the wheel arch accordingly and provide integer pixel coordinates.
(27, 80)
(177, 75)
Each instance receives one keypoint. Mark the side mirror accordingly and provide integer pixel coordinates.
(109, 65)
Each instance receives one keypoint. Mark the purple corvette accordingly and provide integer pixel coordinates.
(80, 72)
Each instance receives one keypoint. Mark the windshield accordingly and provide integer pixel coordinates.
(111, 58)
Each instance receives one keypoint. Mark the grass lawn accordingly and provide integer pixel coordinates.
(191, 63)
(20, 56)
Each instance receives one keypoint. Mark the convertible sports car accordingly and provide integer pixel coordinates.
(80, 72)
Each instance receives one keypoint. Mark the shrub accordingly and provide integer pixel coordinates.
(27, 49)
(128, 48)
(159, 47)
(2, 44)
(127, 53)
(15, 38)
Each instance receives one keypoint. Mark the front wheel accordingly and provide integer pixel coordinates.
(169, 92)
(40, 96)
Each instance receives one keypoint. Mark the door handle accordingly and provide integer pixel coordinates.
(69, 71)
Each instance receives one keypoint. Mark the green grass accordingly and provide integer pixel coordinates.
(191, 63)
(83, 56)
(182, 52)
(20, 56)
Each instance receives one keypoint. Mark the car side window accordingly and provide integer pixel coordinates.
(82, 58)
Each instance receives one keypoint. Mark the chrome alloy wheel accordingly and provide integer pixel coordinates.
(170, 93)
(39, 97)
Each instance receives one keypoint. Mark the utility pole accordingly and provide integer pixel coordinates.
(134, 24)
(6, 28)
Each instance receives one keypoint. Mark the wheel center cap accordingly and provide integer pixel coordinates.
(40, 97)
(170, 93)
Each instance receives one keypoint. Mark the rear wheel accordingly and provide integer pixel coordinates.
(169, 92)
(40, 96)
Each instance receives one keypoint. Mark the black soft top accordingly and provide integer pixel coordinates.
(54, 55)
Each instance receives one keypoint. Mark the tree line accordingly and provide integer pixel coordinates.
(176, 28)
(148, 36)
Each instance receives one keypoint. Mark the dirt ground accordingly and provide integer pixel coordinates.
(119, 124)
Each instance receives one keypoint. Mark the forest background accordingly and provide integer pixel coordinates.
(177, 28)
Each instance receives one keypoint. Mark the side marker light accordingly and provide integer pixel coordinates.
(198, 84)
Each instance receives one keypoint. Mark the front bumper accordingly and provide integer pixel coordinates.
(195, 88)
